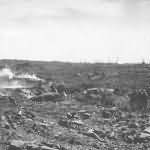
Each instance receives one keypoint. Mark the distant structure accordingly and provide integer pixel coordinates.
(143, 62)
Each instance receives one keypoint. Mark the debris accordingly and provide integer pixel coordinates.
(46, 97)
(93, 117)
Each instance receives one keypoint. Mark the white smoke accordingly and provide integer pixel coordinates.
(10, 79)
(28, 76)
(7, 73)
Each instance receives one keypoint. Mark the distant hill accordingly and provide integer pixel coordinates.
(75, 74)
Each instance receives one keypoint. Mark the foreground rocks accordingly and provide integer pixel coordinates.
(50, 117)
(100, 129)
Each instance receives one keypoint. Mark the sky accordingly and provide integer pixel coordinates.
(75, 30)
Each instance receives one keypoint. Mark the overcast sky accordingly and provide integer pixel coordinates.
(75, 30)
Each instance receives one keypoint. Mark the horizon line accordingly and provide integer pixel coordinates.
(76, 62)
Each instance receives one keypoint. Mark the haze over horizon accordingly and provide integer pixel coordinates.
(75, 30)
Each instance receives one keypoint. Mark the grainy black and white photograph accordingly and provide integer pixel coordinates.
(74, 75)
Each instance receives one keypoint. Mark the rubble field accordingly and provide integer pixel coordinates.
(45, 107)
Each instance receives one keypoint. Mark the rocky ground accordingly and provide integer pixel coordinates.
(47, 116)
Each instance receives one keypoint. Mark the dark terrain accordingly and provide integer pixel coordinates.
(74, 106)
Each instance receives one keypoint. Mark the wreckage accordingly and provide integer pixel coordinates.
(92, 118)
(47, 97)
